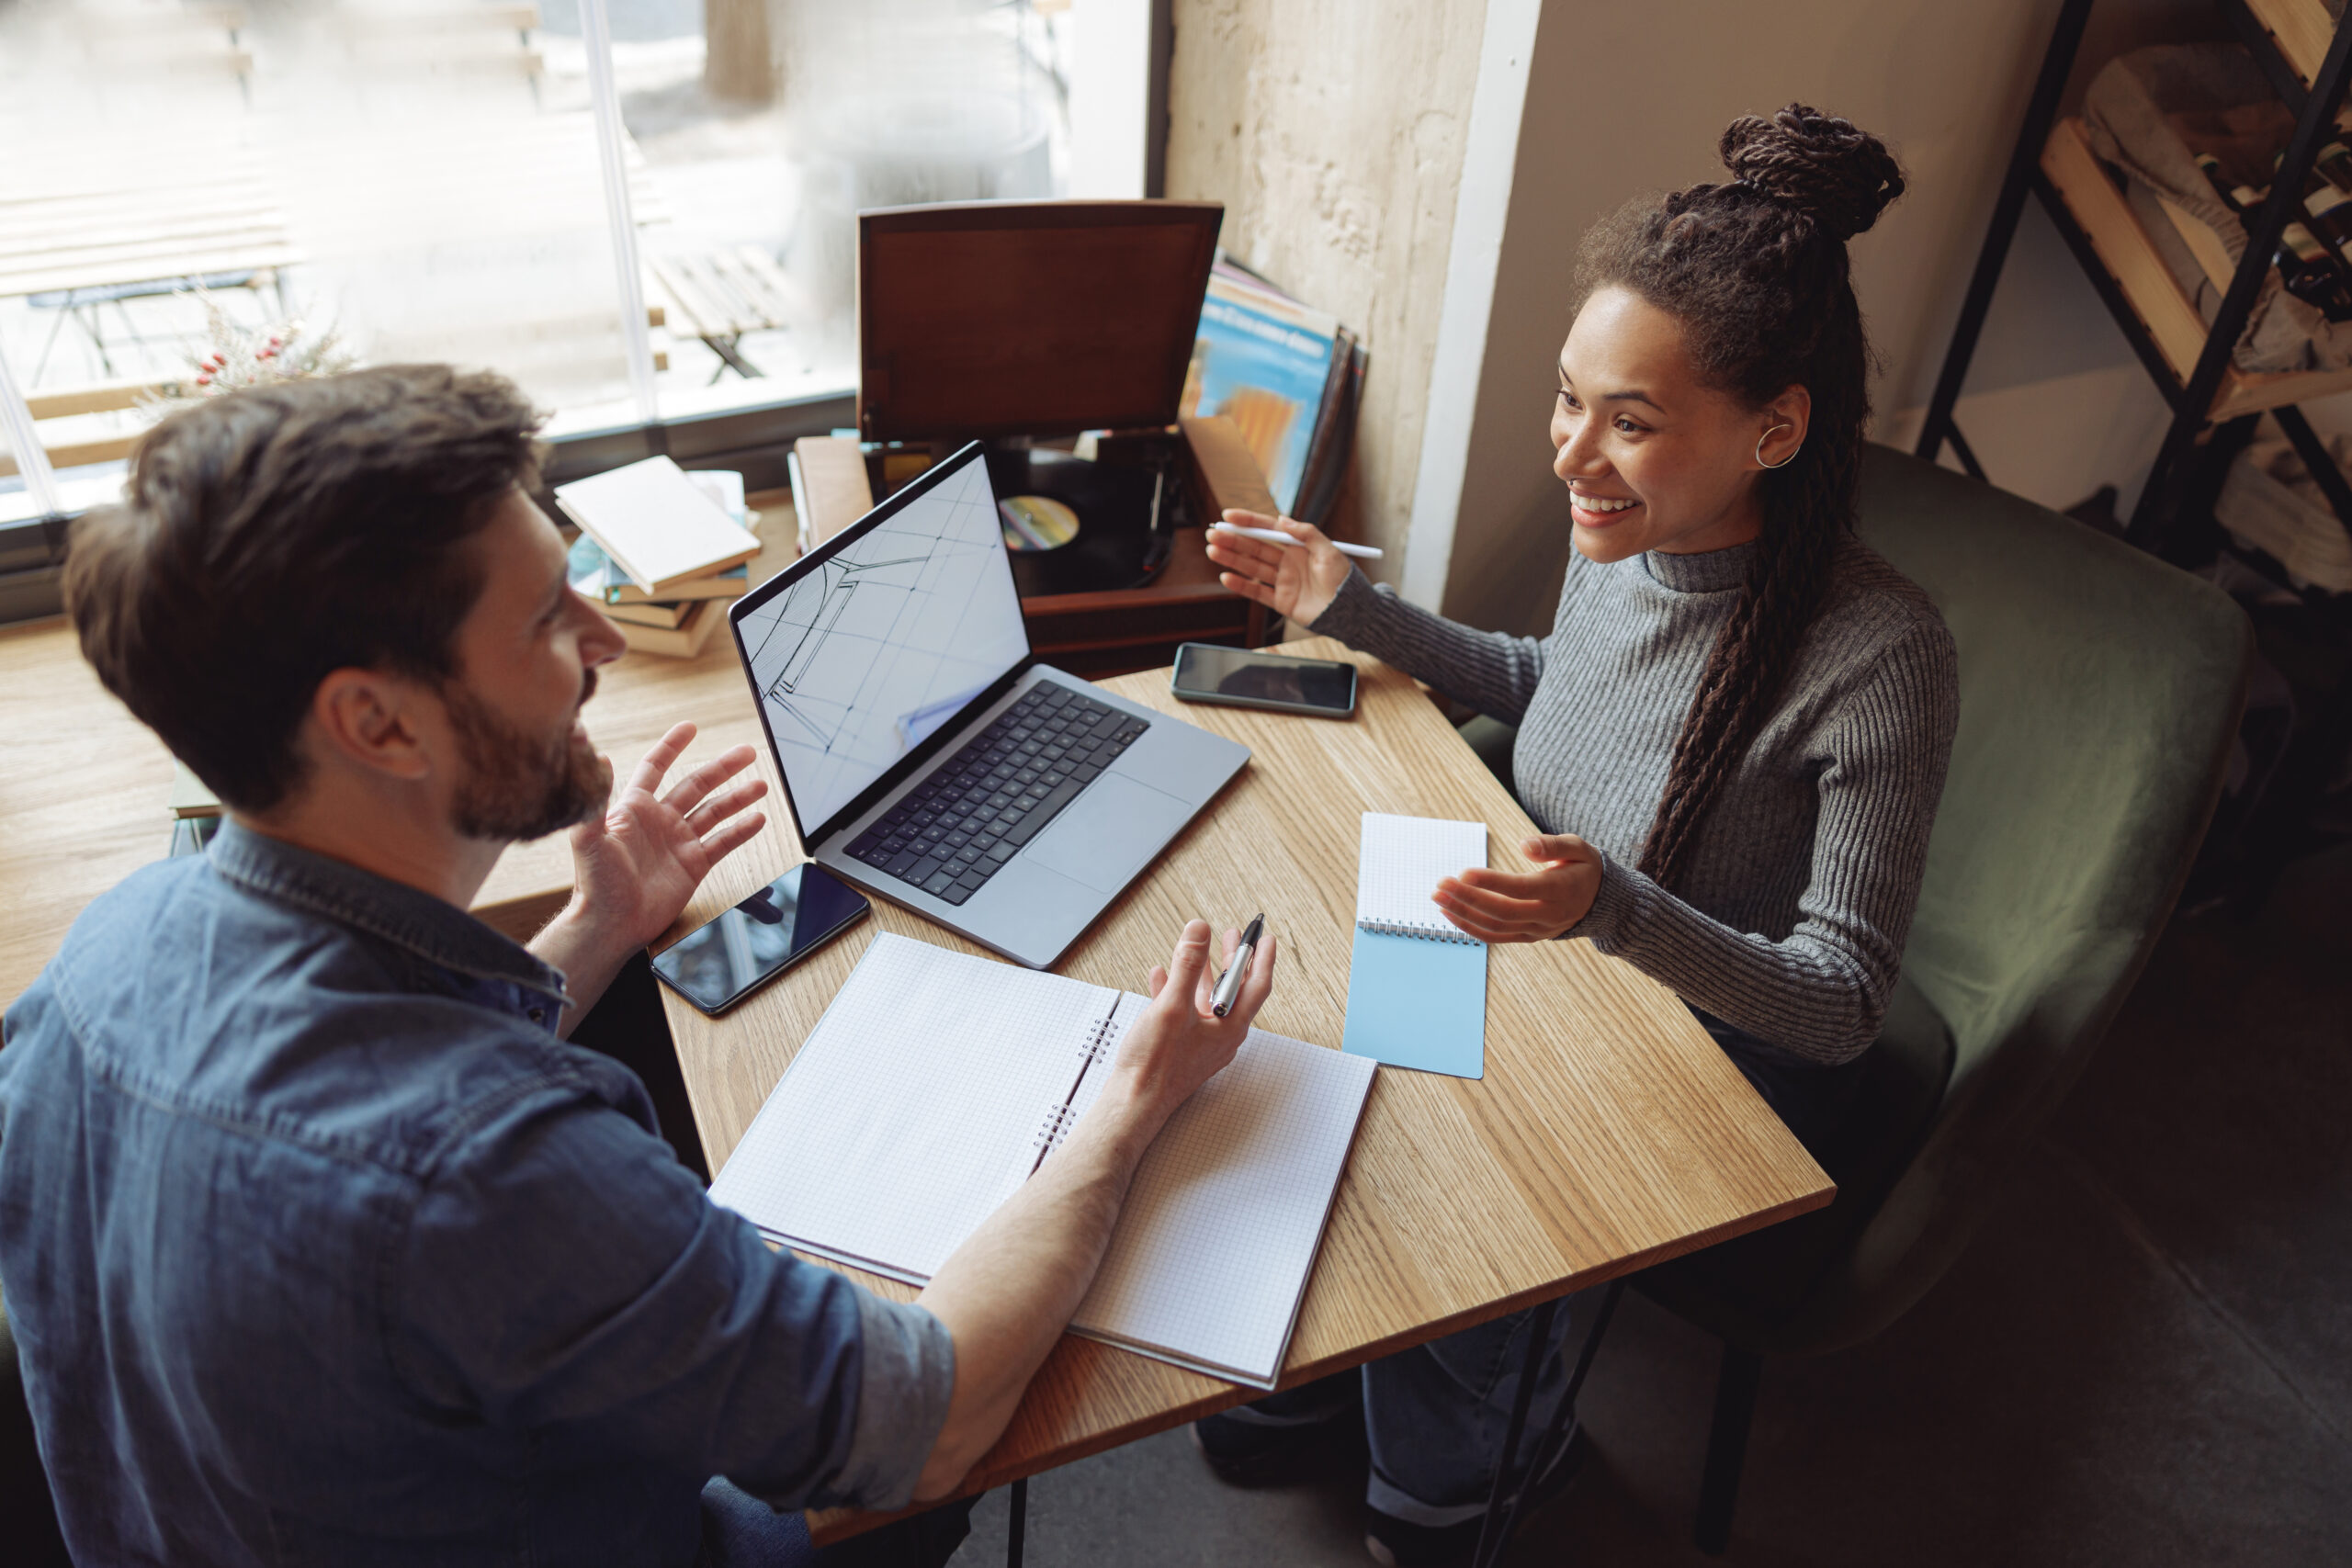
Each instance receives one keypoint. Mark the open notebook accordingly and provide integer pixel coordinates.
(1400, 862)
(936, 1083)
(1416, 983)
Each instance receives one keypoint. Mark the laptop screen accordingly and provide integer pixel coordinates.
(885, 638)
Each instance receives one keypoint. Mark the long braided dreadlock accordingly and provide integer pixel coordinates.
(1757, 274)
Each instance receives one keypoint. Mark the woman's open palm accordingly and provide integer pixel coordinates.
(1533, 905)
(1297, 581)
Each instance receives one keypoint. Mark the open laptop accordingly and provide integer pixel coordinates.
(927, 757)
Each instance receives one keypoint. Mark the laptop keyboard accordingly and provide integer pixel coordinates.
(974, 813)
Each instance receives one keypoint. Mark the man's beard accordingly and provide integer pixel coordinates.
(519, 786)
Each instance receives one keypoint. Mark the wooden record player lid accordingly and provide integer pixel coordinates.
(1027, 317)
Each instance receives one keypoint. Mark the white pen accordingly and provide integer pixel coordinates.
(1276, 536)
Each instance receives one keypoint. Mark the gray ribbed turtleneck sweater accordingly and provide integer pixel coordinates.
(1790, 917)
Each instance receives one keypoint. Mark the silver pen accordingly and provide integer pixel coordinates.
(1228, 985)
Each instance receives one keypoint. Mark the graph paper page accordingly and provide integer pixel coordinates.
(914, 1108)
(1400, 861)
(1213, 1250)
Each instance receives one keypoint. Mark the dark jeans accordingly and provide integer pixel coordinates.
(1435, 1415)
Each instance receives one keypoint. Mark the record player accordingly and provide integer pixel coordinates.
(1024, 324)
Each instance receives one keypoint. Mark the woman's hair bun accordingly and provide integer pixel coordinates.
(1840, 176)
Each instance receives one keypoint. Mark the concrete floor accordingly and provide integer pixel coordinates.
(2145, 1358)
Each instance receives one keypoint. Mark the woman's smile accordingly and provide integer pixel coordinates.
(1599, 511)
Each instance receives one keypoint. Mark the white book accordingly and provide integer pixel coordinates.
(1400, 862)
(658, 526)
(937, 1083)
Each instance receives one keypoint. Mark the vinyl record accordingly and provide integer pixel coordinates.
(1114, 505)
(1033, 524)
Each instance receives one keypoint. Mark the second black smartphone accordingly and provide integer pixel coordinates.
(717, 965)
(1239, 677)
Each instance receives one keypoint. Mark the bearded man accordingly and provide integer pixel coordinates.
(319, 1243)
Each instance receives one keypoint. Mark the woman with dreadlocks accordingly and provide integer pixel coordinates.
(1734, 737)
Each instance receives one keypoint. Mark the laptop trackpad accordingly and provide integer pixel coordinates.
(1105, 835)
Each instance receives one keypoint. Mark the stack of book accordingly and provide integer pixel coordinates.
(1288, 375)
(661, 549)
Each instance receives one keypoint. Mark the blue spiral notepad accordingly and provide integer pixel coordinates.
(1417, 984)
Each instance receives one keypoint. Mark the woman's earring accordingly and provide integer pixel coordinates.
(1767, 436)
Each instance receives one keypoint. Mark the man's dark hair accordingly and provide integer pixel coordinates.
(272, 535)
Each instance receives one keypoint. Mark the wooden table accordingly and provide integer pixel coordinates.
(1609, 1133)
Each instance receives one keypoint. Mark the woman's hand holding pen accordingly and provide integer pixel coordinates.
(1297, 582)
(1534, 906)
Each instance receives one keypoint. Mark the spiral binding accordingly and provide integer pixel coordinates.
(1099, 1048)
(1434, 931)
(1059, 1119)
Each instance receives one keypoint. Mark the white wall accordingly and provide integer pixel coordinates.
(1622, 99)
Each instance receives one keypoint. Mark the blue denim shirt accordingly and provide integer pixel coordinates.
(321, 1246)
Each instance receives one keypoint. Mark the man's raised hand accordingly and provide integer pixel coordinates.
(636, 866)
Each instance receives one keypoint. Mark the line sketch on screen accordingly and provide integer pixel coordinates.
(861, 660)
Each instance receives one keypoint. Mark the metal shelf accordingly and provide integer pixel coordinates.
(2308, 59)
(2085, 195)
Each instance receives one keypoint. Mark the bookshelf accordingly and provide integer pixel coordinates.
(2128, 256)
(2307, 56)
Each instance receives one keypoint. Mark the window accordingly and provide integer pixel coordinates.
(30, 493)
(764, 133)
(29, 551)
(643, 210)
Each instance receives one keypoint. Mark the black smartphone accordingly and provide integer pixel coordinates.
(717, 965)
(1240, 678)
